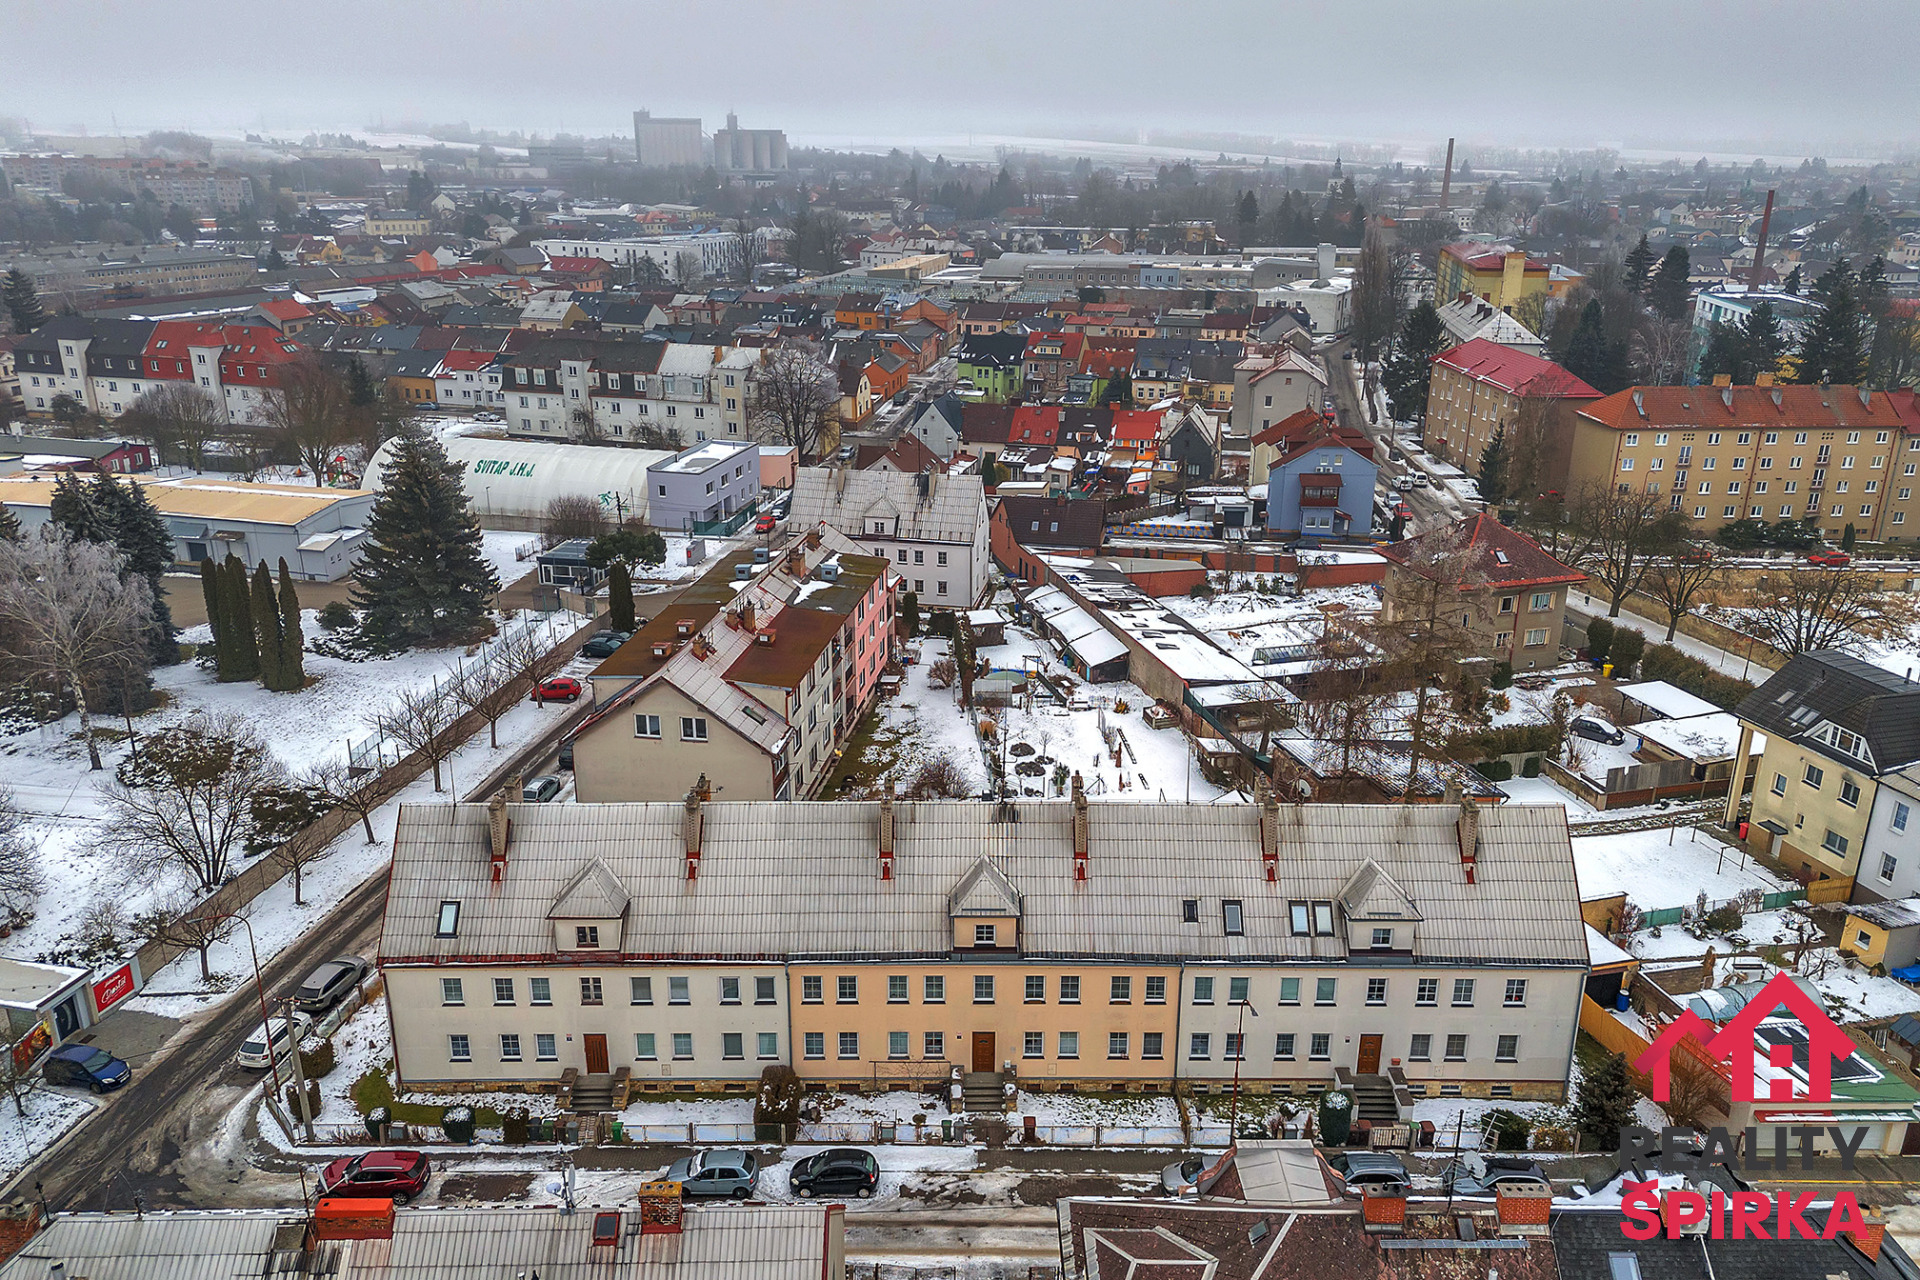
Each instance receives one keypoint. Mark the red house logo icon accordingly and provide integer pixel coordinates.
(1736, 1044)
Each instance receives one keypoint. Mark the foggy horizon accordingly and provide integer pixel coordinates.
(1635, 77)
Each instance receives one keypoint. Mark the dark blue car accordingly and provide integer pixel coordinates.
(84, 1064)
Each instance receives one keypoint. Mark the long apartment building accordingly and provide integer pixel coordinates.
(106, 365)
(1835, 455)
(192, 183)
(750, 683)
(630, 387)
(1482, 388)
(1112, 946)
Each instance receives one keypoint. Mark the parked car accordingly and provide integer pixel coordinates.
(766, 522)
(540, 788)
(1594, 729)
(1183, 1177)
(1474, 1174)
(558, 689)
(398, 1176)
(566, 755)
(1829, 558)
(602, 643)
(328, 985)
(283, 1035)
(715, 1173)
(837, 1171)
(1404, 484)
(1420, 480)
(86, 1064)
(1371, 1170)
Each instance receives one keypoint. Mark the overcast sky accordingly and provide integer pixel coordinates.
(1821, 75)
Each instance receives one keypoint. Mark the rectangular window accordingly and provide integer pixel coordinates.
(1887, 865)
(1230, 911)
(1069, 989)
(1289, 991)
(503, 990)
(983, 988)
(590, 991)
(646, 726)
(849, 1044)
(1323, 919)
(1516, 995)
(1156, 992)
(449, 925)
(810, 989)
(1506, 1049)
(1150, 1044)
(1036, 992)
(459, 1049)
(1323, 990)
(1237, 990)
(509, 1047)
(693, 728)
(683, 1045)
(896, 988)
(1376, 991)
(1117, 1044)
(1420, 1048)
(451, 991)
(643, 1046)
(1536, 636)
(934, 989)
(732, 1046)
(934, 1045)
(763, 990)
(1834, 842)
(1849, 793)
(1203, 990)
(729, 991)
(1814, 776)
(586, 937)
(1779, 784)
(679, 991)
(1900, 815)
(1298, 916)
(814, 1044)
(1200, 1047)
(543, 1047)
(1033, 1044)
(1283, 1046)
(769, 1044)
(1120, 991)
(1320, 1046)
(540, 990)
(1456, 1048)
(984, 935)
(1383, 937)
(1462, 993)
(896, 1045)
(1236, 1046)
(846, 989)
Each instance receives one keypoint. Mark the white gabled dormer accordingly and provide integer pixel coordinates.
(985, 909)
(590, 913)
(1380, 914)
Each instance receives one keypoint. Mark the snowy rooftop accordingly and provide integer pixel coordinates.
(1702, 738)
(702, 457)
(26, 986)
(1668, 700)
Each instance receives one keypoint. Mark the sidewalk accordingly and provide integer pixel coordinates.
(1589, 605)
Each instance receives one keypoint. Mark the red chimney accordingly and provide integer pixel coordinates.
(886, 837)
(691, 823)
(1080, 829)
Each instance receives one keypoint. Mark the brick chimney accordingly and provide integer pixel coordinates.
(1080, 826)
(886, 837)
(1871, 1235)
(1467, 828)
(1523, 1210)
(1385, 1212)
(660, 1208)
(691, 823)
(1269, 832)
(499, 830)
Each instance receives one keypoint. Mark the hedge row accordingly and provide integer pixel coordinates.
(1683, 671)
(1507, 740)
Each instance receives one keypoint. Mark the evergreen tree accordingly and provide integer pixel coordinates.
(9, 526)
(1668, 290)
(265, 612)
(360, 389)
(1834, 348)
(910, 614)
(1492, 478)
(422, 577)
(1792, 283)
(74, 508)
(140, 534)
(1876, 313)
(1639, 265)
(1587, 355)
(210, 589)
(293, 641)
(23, 302)
(1422, 337)
(1763, 342)
(1724, 352)
(619, 596)
(1848, 537)
(1119, 389)
(236, 612)
(1605, 1105)
(1249, 213)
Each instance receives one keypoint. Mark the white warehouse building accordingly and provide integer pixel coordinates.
(717, 251)
(510, 482)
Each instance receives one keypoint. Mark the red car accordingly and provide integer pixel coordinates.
(765, 523)
(398, 1176)
(558, 689)
(1831, 559)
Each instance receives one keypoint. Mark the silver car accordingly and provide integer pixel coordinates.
(715, 1173)
(329, 984)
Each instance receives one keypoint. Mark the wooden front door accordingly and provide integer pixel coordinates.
(1369, 1064)
(597, 1054)
(983, 1051)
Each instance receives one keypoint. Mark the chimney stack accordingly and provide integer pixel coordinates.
(1384, 1212)
(498, 830)
(1467, 828)
(1523, 1210)
(1760, 253)
(886, 836)
(1446, 178)
(1323, 260)
(1269, 832)
(691, 823)
(1079, 829)
(1871, 1235)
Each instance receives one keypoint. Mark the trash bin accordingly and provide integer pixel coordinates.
(377, 1123)
(1621, 1002)
(619, 1131)
(946, 1129)
(1743, 831)
(1427, 1133)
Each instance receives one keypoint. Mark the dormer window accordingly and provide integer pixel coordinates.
(1383, 938)
(586, 936)
(984, 935)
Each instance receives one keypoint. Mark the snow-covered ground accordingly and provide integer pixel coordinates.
(49, 1114)
(1667, 868)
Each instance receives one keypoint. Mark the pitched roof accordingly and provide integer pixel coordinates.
(1830, 687)
(1514, 371)
(1496, 555)
(1035, 424)
(952, 511)
(985, 423)
(593, 894)
(1721, 408)
(1081, 523)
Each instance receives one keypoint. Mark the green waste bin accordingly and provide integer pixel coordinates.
(619, 1132)
(946, 1130)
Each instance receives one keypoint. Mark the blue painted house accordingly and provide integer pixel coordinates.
(1320, 479)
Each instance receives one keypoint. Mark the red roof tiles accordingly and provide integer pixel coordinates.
(1514, 371)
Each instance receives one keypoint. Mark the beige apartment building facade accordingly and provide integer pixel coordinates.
(1511, 598)
(1481, 387)
(1835, 455)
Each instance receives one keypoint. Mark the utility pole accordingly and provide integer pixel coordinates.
(299, 1076)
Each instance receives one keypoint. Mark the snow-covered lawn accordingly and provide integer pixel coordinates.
(50, 1113)
(1667, 868)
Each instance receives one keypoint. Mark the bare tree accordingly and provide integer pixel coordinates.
(356, 791)
(486, 691)
(748, 249)
(1810, 608)
(1627, 534)
(1677, 580)
(571, 515)
(284, 816)
(186, 801)
(1659, 350)
(688, 271)
(185, 922)
(586, 427)
(421, 721)
(794, 395)
(179, 418)
(1434, 605)
(311, 412)
(20, 880)
(519, 655)
(72, 615)
(1377, 299)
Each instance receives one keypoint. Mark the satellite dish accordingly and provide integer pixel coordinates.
(555, 1188)
(1303, 789)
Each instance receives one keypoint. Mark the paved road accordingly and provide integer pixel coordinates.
(1430, 508)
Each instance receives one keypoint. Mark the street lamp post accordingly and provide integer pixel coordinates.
(260, 989)
(1240, 1040)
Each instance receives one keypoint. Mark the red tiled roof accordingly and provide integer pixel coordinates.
(286, 309)
(1035, 424)
(1514, 371)
(1135, 426)
(1485, 261)
(1496, 555)
(574, 264)
(1638, 408)
(456, 361)
(1906, 408)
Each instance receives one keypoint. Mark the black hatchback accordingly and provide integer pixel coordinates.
(837, 1171)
